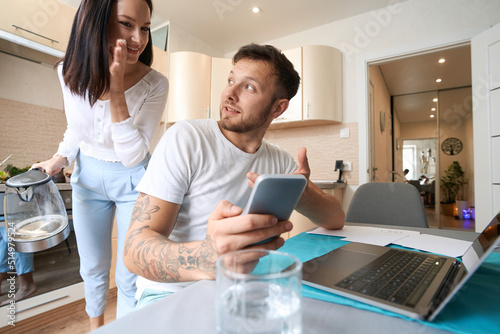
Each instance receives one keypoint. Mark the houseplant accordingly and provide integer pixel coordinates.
(452, 183)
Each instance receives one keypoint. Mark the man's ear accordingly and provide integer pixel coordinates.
(279, 107)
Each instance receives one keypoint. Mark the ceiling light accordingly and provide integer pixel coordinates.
(435, 99)
(256, 10)
(432, 116)
(442, 60)
(438, 80)
(433, 109)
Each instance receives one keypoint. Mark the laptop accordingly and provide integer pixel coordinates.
(415, 284)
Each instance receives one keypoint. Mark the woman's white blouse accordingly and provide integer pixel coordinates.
(91, 131)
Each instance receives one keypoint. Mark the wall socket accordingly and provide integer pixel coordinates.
(347, 166)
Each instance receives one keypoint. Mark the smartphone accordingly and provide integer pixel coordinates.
(275, 195)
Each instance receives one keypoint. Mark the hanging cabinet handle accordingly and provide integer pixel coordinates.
(34, 33)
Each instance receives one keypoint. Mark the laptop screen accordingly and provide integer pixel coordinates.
(482, 247)
(490, 234)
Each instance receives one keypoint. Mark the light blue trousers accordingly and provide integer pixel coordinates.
(23, 262)
(101, 189)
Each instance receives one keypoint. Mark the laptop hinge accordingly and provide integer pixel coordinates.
(445, 287)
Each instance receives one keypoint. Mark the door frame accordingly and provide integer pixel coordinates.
(363, 61)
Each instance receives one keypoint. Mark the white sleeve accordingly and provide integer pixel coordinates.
(69, 147)
(70, 144)
(132, 137)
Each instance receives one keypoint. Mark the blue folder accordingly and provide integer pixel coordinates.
(475, 308)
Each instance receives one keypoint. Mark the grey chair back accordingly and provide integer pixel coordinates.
(416, 184)
(387, 204)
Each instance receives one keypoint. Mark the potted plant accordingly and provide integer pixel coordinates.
(452, 183)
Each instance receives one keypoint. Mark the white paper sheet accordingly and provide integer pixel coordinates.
(411, 239)
(368, 235)
(435, 244)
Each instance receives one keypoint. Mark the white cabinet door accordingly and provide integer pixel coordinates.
(322, 83)
(485, 52)
(294, 111)
(220, 72)
(48, 22)
(495, 111)
(189, 96)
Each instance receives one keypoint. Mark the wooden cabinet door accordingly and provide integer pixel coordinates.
(160, 61)
(189, 96)
(45, 22)
(322, 83)
(294, 111)
(220, 72)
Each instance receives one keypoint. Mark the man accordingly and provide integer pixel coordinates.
(191, 197)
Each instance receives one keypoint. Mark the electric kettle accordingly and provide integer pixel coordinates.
(35, 215)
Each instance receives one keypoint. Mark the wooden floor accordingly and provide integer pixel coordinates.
(68, 319)
(449, 222)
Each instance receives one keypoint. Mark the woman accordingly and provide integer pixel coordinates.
(113, 102)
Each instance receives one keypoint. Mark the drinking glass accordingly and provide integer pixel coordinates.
(258, 291)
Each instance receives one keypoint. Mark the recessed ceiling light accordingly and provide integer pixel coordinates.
(256, 10)
(438, 80)
(435, 99)
(433, 109)
(442, 60)
(432, 116)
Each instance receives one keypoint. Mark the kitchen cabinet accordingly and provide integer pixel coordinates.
(320, 93)
(160, 61)
(197, 81)
(48, 21)
(294, 111)
(189, 95)
(322, 83)
(220, 72)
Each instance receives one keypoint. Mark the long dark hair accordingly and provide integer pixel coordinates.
(86, 62)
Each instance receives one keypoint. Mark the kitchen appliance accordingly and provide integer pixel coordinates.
(35, 214)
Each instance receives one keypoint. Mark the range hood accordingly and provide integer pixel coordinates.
(24, 48)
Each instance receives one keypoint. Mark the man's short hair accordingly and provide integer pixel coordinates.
(288, 79)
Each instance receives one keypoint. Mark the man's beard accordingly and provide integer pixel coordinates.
(248, 125)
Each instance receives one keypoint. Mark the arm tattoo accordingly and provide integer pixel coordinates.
(160, 259)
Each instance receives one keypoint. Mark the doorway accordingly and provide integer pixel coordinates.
(413, 118)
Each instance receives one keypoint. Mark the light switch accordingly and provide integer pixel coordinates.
(344, 133)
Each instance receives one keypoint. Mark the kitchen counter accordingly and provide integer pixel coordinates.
(60, 186)
(328, 184)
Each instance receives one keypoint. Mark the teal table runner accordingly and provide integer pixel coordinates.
(475, 309)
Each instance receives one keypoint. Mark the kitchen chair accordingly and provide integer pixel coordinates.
(387, 204)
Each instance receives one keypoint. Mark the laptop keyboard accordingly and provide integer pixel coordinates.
(397, 276)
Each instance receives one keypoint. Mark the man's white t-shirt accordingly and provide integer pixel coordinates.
(196, 166)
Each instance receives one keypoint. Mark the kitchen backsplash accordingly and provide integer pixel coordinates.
(324, 146)
(32, 133)
(29, 132)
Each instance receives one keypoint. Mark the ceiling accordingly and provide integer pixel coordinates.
(412, 80)
(228, 24)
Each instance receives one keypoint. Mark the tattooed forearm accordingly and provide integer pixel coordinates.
(157, 258)
(163, 260)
